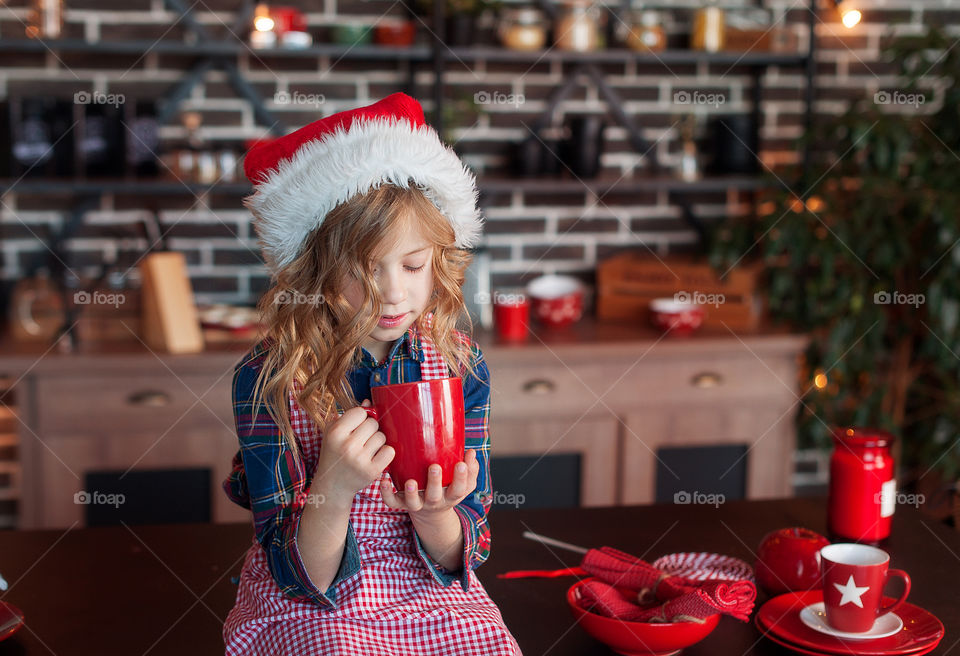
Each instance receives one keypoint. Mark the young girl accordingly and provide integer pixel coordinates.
(363, 218)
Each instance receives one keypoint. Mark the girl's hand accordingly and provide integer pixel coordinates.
(435, 499)
(353, 454)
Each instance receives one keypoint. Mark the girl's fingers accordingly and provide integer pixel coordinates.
(388, 496)
(434, 493)
(411, 497)
(458, 488)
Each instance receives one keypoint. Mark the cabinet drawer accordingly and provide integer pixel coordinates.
(723, 377)
(546, 390)
(117, 405)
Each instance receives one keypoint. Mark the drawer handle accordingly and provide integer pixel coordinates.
(707, 379)
(539, 386)
(152, 398)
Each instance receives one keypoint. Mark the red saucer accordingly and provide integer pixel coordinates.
(851, 651)
(11, 619)
(779, 619)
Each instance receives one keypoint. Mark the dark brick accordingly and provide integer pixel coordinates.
(701, 197)
(18, 230)
(198, 230)
(616, 197)
(103, 62)
(637, 93)
(265, 90)
(520, 68)
(514, 226)
(236, 256)
(557, 197)
(206, 284)
(783, 93)
(382, 90)
(657, 225)
(264, 62)
(499, 253)
(840, 41)
(538, 91)
(260, 285)
(146, 32)
(553, 252)
(871, 68)
(588, 225)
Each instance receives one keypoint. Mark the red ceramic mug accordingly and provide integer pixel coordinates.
(511, 314)
(854, 576)
(424, 422)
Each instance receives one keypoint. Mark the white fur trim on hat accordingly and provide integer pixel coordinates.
(295, 197)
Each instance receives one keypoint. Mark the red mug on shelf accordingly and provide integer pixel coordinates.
(854, 576)
(424, 423)
(511, 314)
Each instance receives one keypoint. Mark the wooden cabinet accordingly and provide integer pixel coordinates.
(616, 404)
(122, 414)
(612, 398)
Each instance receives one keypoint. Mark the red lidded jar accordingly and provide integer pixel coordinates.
(862, 484)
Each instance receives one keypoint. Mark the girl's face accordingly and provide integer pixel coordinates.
(404, 277)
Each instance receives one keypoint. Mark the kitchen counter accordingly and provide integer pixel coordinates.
(164, 589)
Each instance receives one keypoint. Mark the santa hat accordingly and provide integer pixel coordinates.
(300, 177)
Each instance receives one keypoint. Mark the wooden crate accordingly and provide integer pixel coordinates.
(626, 283)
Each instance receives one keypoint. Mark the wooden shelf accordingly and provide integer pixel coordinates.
(485, 183)
(604, 185)
(416, 52)
(620, 55)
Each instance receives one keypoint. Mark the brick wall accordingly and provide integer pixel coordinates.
(528, 233)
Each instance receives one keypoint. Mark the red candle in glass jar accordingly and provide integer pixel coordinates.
(862, 484)
(511, 314)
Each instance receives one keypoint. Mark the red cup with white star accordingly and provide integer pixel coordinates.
(854, 576)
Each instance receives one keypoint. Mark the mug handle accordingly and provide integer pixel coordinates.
(883, 610)
(372, 412)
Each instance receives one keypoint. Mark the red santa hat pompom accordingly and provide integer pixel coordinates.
(300, 177)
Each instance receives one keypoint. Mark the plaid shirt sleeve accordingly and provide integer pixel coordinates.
(473, 510)
(270, 480)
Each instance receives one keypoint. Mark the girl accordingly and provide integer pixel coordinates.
(363, 218)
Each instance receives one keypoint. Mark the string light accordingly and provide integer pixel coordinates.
(261, 18)
(849, 15)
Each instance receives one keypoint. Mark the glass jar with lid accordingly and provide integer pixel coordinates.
(708, 28)
(523, 29)
(646, 32)
(577, 27)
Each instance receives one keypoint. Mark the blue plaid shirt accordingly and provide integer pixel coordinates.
(271, 480)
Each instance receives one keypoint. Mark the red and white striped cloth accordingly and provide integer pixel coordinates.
(393, 606)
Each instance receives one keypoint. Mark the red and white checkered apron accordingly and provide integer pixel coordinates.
(393, 606)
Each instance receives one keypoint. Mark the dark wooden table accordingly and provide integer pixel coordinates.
(166, 589)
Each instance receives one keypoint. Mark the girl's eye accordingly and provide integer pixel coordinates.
(415, 269)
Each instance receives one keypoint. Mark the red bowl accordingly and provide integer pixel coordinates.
(638, 638)
(681, 318)
(556, 301)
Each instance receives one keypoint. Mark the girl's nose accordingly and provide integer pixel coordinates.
(392, 288)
